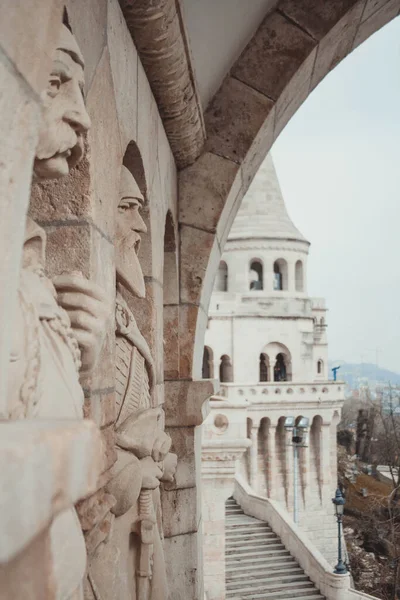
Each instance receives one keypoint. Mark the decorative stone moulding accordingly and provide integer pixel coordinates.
(157, 30)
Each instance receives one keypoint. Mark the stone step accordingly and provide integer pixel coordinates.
(245, 541)
(274, 596)
(260, 570)
(258, 566)
(255, 549)
(245, 527)
(254, 559)
(293, 588)
(268, 579)
(248, 531)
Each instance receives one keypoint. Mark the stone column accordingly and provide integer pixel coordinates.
(253, 458)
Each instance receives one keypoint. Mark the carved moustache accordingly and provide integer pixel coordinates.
(61, 139)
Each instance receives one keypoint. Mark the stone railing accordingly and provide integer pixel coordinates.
(331, 585)
(46, 468)
(284, 392)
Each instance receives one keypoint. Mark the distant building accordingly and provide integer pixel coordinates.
(266, 342)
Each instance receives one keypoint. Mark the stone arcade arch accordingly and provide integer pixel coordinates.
(208, 363)
(225, 369)
(221, 279)
(290, 53)
(299, 276)
(256, 275)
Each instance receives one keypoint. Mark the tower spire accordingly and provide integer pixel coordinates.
(263, 214)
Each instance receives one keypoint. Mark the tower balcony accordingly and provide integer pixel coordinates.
(288, 393)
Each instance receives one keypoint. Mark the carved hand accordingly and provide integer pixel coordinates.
(151, 473)
(170, 465)
(162, 444)
(88, 310)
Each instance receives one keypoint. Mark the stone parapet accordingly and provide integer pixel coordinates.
(280, 394)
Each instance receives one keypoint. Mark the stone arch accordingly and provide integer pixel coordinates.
(320, 367)
(264, 457)
(264, 369)
(280, 360)
(208, 363)
(281, 275)
(316, 453)
(225, 369)
(221, 279)
(170, 301)
(281, 453)
(299, 276)
(293, 49)
(256, 274)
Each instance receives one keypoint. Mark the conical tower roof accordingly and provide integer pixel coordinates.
(263, 214)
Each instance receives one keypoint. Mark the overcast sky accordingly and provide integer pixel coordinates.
(338, 162)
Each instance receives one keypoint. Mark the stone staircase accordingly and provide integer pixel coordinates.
(258, 566)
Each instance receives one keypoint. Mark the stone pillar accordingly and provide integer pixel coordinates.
(253, 458)
(218, 476)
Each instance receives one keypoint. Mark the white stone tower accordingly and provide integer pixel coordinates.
(266, 343)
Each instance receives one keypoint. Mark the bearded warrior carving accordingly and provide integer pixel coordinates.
(59, 324)
(142, 446)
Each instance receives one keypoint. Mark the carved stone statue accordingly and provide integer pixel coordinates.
(142, 445)
(58, 324)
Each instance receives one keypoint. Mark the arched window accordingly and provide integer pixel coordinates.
(299, 276)
(320, 365)
(264, 367)
(225, 369)
(208, 366)
(221, 280)
(280, 275)
(256, 275)
(280, 373)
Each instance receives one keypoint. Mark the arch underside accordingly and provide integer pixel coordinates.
(296, 45)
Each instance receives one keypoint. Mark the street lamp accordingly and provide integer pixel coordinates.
(298, 427)
(339, 503)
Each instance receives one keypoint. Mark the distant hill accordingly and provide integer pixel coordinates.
(354, 374)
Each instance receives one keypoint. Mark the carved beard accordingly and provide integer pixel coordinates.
(58, 151)
(129, 271)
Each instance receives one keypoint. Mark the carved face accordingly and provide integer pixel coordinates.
(65, 120)
(129, 225)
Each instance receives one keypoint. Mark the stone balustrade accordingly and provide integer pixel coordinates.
(331, 585)
(282, 393)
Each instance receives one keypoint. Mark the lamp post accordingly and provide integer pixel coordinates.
(339, 503)
(298, 427)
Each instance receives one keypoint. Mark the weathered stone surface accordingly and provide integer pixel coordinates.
(171, 342)
(337, 43)
(273, 55)
(89, 24)
(294, 94)
(203, 190)
(234, 117)
(183, 444)
(169, 72)
(179, 511)
(184, 400)
(28, 43)
(48, 466)
(181, 554)
(317, 18)
(376, 15)
(124, 68)
(195, 248)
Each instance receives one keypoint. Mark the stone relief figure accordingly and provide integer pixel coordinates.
(59, 324)
(142, 446)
